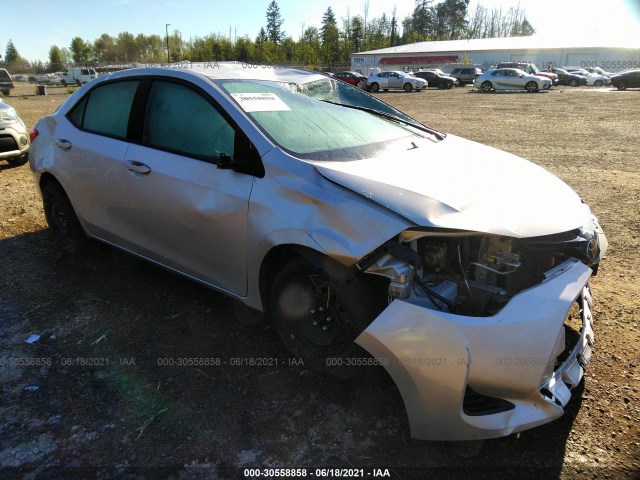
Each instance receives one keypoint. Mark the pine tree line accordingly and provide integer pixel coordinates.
(329, 46)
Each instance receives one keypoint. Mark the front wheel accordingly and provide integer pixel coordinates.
(531, 87)
(622, 86)
(407, 87)
(597, 83)
(486, 86)
(573, 82)
(18, 161)
(375, 87)
(62, 218)
(318, 317)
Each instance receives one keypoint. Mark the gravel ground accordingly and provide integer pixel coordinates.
(105, 407)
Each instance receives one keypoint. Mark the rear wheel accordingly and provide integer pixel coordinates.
(531, 87)
(407, 87)
(62, 218)
(318, 315)
(375, 87)
(486, 86)
(6, 92)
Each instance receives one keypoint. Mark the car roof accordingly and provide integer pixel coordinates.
(225, 71)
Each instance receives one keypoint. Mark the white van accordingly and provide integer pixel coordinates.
(78, 76)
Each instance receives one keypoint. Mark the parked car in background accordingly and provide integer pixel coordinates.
(14, 137)
(368, 237)
(6, 82)
(78, 76)
(436, 79)
(600, 71)
(352, 78)
(626, 79)
(510, 79)
(395, 79)
(567, 78)
(465, 75)
(531, 69)
(593, 79)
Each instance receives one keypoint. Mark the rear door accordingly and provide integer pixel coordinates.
(89, 152)
(395, 80)
(186, 213)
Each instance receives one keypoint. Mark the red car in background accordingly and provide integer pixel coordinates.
(353, 78)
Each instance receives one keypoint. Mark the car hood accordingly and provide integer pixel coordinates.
(463, 185)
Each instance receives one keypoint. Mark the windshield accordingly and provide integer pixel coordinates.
(301, 120)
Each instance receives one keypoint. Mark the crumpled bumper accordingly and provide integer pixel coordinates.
(464, 378)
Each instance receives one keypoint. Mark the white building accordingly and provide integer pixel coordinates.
(609, 55)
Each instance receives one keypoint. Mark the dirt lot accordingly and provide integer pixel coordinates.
(104, 406)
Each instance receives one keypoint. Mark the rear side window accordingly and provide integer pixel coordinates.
(106, 109)
(182, 120)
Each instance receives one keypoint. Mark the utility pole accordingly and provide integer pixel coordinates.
(166, 27)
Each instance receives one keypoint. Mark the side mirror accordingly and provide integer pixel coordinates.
(246, 158)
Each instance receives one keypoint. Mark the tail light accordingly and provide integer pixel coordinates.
(33, 134)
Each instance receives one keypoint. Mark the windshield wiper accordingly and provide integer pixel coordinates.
(419, 126)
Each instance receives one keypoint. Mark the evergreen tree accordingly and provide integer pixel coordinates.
(274, 23)
(11, 53)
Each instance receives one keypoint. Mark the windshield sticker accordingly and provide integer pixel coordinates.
(260, 102)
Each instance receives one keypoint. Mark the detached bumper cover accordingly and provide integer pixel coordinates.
(435, 357)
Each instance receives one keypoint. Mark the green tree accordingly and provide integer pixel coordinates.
(11, 54)
(80, 51)
(274, 23)
(127, 47)
(56, 62)
(330, 37)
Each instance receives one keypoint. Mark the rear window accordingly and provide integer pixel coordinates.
(4, 74)
(106, 109)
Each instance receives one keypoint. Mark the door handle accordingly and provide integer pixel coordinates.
(138, 167)
(63, 144)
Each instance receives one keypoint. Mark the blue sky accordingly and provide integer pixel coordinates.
(56, 22)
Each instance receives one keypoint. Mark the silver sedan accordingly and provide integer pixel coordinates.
(395, 80)
(510, 79)
(367, 237)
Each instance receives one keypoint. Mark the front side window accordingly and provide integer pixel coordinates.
(182, 120)
(106, 109)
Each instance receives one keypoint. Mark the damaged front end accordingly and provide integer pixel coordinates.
(476, 334)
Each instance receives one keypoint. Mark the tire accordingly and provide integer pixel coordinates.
(6, 92)
(450, 85)
(18, 161)
(597, 83)
(574, 82)
(64, 84)
(622, 86)
(375, 87)
(532, 87)
(407, 87)
(385, 89)
(319, 315)
(78, 84)
(62, 219)
(486, 86)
